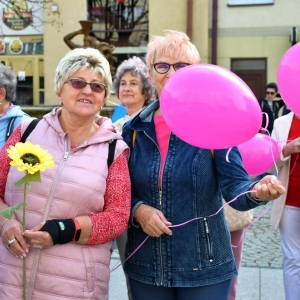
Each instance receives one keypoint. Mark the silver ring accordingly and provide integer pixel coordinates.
(10, 242)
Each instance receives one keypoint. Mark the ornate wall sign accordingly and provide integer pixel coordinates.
(20, 17)
(16, 46)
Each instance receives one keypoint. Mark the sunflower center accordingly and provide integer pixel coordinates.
(30, 158)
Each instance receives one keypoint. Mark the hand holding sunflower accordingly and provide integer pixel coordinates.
(31, 159)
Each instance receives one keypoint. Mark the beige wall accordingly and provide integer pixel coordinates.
(282, 13)
(243, 32)
(172, 14)
(54, 46)
(256, 32)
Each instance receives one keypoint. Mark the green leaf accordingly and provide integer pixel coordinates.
(28, 178)
(8, 212)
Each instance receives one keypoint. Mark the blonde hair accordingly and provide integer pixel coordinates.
(172, 44)
(81, 59)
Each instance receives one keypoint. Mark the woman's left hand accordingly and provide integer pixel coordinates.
(39, 239)
(268, 188)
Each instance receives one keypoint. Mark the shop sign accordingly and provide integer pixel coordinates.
(16, 46)
(26, 20)
(250, 2)
(2, 46)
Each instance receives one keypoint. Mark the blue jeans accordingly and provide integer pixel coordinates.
(143, 291)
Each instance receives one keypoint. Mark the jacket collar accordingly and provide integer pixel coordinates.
(105, 133)
(145, 117)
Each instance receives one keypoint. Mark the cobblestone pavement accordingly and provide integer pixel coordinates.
(262, 244)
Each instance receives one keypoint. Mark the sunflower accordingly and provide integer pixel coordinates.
(30, 158)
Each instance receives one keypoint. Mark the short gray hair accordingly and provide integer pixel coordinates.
(81, 59)
(8, 81)
(136, 66)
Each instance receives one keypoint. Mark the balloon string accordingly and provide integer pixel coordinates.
(184, 223)
(255, 220)
(273, 157)
(294, 165)
(264, 129)
(227, 155)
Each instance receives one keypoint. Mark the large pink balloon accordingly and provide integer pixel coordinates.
(288, 78)
(210, 107)
(259, 154)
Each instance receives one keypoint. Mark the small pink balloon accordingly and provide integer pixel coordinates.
(210, 107)
(288, 78)
(259, 154)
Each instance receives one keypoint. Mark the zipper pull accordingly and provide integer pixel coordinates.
(206, 226)
(66, 155)
(160, 196)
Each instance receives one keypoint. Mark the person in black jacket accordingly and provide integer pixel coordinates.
(270, 106)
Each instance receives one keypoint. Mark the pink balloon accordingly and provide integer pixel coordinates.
(288, 78)
(210, 107)
(259, 154)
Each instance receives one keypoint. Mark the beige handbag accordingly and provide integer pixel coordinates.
(237, 219)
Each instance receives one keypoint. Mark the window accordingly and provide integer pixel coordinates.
(249, 2)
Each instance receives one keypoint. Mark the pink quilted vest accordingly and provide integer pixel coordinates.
(74, 186)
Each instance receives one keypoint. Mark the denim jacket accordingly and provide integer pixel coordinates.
(199, 252)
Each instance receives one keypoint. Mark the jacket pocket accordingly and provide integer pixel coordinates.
(208, 240)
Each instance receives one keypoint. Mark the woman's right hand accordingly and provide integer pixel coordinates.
(291, 147)
(13, 239)
(152, 220)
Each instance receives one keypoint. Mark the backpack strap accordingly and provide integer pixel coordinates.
(111, 146)
(133, 138)
(10, 128)
(28, 130)
(111, 152)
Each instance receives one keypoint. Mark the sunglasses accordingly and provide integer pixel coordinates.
(270, 93)
(80, 84)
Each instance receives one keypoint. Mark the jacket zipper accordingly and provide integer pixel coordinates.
(210, 256)
(160, 207)
(45, 217)
(160, 243)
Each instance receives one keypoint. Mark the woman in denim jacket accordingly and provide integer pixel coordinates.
(173, 182)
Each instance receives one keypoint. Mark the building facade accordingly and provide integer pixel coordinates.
(248, 37)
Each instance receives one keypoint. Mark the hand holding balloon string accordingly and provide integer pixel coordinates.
(269, 188)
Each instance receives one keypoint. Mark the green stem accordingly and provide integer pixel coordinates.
(24, 227)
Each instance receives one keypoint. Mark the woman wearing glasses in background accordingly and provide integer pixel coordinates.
(81, 205)
(174, 182)
(134, 88)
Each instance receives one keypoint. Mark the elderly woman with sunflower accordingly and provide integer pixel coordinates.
(81, 204)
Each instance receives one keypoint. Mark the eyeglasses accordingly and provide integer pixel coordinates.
(80, 84)
(270, 93)
(163, 68)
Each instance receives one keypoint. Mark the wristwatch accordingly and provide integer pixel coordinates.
(77, 230)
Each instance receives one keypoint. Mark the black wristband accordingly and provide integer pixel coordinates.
(61, 231)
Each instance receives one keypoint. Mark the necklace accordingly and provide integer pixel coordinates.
(85, 137)
(81, 141)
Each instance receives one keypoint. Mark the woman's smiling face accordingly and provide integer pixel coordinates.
(82, 102)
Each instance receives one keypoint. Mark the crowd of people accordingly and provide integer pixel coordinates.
(134, 181)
